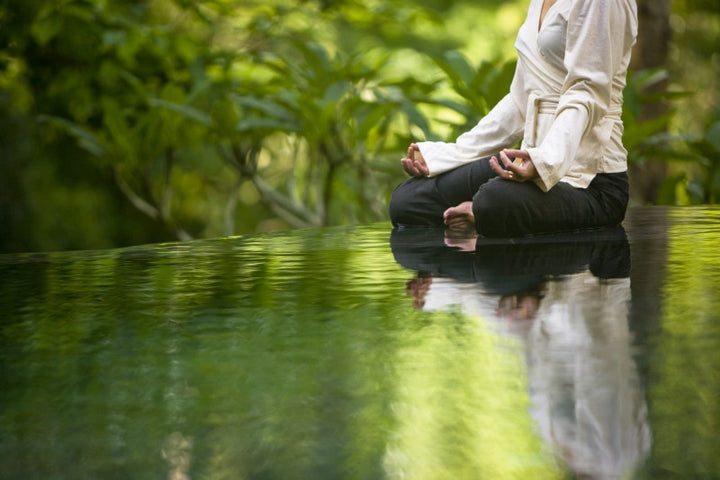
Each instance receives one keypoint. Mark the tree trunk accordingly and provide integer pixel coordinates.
(651, 51)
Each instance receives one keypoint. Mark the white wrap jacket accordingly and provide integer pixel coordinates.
(565, 101)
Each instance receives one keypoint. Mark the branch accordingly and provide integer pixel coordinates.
(167, 194)
(231, 206)
(137, 201)
(147, 208)
(301, 217)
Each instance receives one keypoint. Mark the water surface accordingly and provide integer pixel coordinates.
(364, 353)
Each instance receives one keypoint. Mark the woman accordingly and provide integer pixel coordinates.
(565, 103)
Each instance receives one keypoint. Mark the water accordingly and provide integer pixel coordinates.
(351, 353)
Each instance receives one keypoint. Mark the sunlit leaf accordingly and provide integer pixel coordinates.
(416, 117)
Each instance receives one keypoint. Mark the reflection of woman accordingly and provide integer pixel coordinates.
(584, 388)
(568, 302)
(564, 104)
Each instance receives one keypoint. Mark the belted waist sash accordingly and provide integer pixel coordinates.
(547, 105)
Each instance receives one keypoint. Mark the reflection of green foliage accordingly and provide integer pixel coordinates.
(479, 380)
(283, 355)
(684, 393)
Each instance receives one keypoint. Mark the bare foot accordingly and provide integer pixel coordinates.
(460, 218)
(465, 243)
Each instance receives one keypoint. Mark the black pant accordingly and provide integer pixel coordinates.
(504, 208)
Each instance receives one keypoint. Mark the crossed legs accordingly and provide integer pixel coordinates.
(473, 195)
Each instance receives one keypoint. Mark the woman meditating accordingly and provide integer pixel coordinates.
(564, 105)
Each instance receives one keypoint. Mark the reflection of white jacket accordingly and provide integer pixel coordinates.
(583, 386)
(565, 100)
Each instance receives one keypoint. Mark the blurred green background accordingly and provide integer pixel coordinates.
(145, 121)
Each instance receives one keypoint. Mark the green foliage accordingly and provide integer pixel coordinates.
(297, 113)
(694, 60)
(695, 158)
(645, 137)
(478, 88)
(700, 183)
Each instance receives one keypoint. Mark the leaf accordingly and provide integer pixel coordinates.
(186, 111)
(225, 116)
(712, 136)
(665, 96)
(416, 117)
(47, 25)
(252, 124)
(695, 191)
(333, 96)
(268, 107)
(461, 108)
(459, 66)
(374, 117)
(85, 138)
(135, 83)
(316, 57)
(650, 77)
(636, 133)
(497, 84)
(669, 188)
(119, 130)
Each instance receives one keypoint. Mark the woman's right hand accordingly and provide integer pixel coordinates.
(414, 164)
(518, 166)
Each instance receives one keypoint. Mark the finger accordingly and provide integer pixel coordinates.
(513, 170)
(414, 151)
(510, 152)
(416, 155)
(408, 166)
(517, 152)
(414, 168)
(499, 170)
(518, 156)
(505, 159)
(422, 167)
(495, 165)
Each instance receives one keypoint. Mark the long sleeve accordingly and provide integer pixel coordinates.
(598, 42)
(501, 128)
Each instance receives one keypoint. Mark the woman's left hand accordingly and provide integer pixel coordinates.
(520, 169)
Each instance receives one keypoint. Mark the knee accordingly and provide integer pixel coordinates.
(402, 205)
(495, 208)
(485, 210)
(398, 205)
(416, 202)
